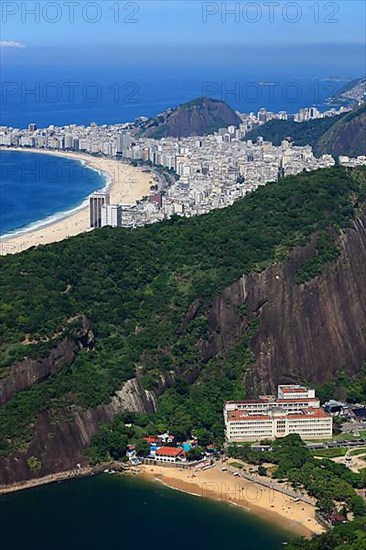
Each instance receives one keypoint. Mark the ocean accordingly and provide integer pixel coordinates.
(106, 94)
(109, 95)
(114, 512)
(38, 188)
(32, 190)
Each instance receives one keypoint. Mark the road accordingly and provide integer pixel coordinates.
(271, 485)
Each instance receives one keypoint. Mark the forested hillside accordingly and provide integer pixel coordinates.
(347, 136)
(301, 133)
(340, 135)
(146, 296)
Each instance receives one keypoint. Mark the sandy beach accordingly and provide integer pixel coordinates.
(269, 504)
(126, 185)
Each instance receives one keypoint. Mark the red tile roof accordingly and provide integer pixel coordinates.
(151, 439)
(169, 451)
(305, 413)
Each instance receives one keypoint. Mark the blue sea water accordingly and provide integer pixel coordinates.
(38, 188)
(80, 94)
(114, 513)
(109, 95)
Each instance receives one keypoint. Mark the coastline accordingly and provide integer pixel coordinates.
(76, 473)
(213, 483)
(269, 505)
(51, 478)
(125, 183)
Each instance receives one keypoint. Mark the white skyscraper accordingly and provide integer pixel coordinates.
(111, 215)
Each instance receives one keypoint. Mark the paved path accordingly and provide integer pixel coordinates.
(272, 485)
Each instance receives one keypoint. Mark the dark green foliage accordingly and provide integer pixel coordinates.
(340, 135)
(109, 443)
(344, 388)
(142, 448)
(302, 133)
(136, 287)
(204, 436)
(349, 536)
(347, 136)
(198, 408)
(326, 252)
(195, 453)
(325, 480)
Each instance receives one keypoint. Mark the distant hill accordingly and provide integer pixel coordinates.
(347, 136)
(340, 135)
(198, 117)
(350, 94)
(301, 133)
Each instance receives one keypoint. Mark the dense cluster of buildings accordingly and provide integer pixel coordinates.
(295, 410)
(356, 93)
(252, 121)
(312, 113)
(212, 171)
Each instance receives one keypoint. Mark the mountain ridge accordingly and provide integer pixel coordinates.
(341, 135)
(347, 136)
(199, 116)
(197, 305)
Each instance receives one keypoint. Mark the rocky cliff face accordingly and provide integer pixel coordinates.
(26, 373)
(306, 332)
(312, 331)
(59, 445)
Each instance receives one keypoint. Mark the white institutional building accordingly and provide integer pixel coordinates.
(295, 410)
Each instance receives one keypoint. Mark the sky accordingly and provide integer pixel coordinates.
(175, 45)
(55, 23)
(110, 31)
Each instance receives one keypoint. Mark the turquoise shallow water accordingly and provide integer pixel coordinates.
(114, 512)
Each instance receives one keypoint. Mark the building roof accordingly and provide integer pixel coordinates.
(249, 401)
(298, 400)
(266, 399)
(169, 451)
(151, 439)
(304, 413)
(293, 389)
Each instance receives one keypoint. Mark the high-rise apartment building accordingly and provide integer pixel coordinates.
(123, 142)
(111, 215)
(96, 202)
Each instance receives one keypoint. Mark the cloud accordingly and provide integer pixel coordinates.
(11, 44)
